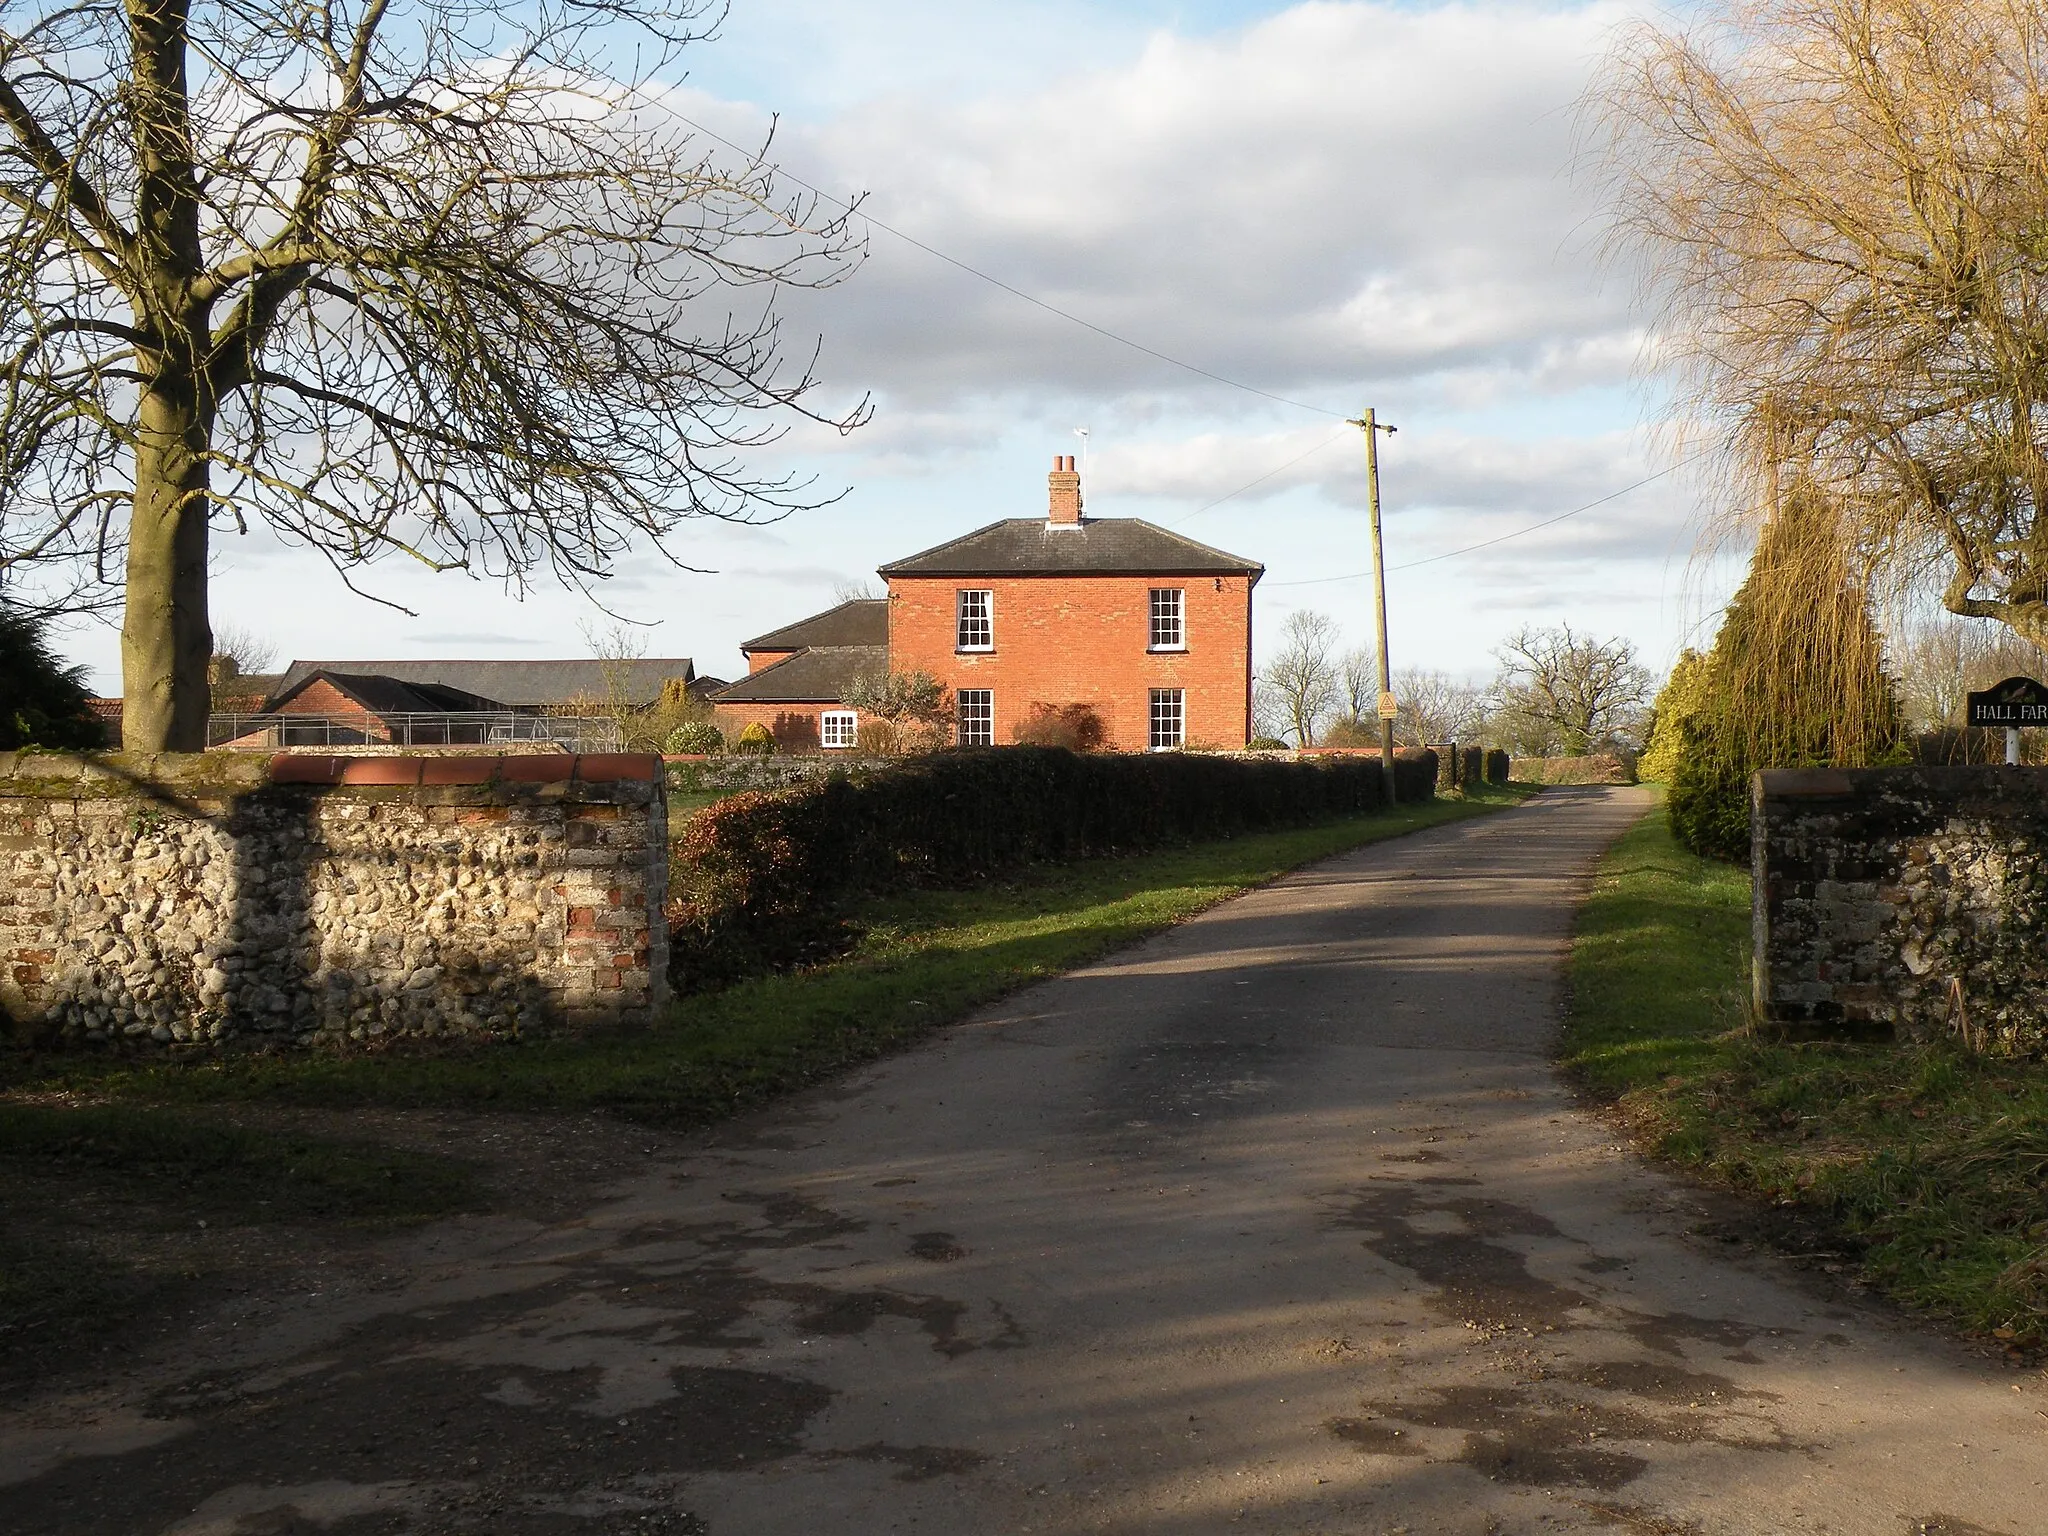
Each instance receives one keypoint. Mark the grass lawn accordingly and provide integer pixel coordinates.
(1923, 1172)
(923, 958)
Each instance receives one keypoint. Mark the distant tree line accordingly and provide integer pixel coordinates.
(1554, 692)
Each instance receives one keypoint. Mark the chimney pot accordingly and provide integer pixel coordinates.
(1063, 488)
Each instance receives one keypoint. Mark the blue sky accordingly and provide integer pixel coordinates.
(1345, 204)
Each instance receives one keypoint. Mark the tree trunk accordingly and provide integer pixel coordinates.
(166, 641)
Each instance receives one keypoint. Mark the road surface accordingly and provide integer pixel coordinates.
(1280, 1222)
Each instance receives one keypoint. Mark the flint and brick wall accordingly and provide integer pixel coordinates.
(320, 901)
(1083, 640)
(1903, 903)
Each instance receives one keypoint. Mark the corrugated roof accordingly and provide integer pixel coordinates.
(515, 684)
(1103, 546)
(819, 675)
(860, 621)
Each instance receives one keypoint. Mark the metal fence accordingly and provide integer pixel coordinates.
(480, 728)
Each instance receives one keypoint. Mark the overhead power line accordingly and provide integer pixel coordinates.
(1451, 554)
(1255, 484)
(990, 278)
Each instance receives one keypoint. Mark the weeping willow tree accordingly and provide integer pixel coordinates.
(1839, 211)
(1797, 677)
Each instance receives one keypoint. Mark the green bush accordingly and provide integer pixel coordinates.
(695, 738)
(42, 701)
(1266, 744)
(756, 740)
(755, 875)
(1709, 799)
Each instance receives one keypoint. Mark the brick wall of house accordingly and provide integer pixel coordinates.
(795, 727)
(1083, 640)
(759, 660)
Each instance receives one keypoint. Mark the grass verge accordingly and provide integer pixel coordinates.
(923, 959)
(1920, 1172)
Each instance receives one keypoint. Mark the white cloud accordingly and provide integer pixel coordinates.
(1340, 196)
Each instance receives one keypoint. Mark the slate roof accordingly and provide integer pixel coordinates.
(861, 621)
(817, 675)
(1103, 546)
(512, 684)
(377, 694)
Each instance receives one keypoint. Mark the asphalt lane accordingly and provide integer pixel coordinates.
(1279, 1222)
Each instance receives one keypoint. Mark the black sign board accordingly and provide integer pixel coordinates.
(2014, 702)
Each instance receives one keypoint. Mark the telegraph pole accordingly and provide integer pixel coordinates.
(1370, 424)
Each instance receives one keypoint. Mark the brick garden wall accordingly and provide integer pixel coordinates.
(1082, 640)
(320, 901)
(1903, 902)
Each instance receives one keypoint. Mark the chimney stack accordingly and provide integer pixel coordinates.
(1064, 493)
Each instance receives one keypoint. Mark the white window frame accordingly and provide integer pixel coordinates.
(985, 619)
(843, 724)
(983, 707)
(1177, 617)
(1175, 699)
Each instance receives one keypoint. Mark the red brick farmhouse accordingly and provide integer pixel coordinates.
(1151, 630)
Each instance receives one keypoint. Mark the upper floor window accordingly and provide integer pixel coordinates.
(1169, 719)
(976, 710)
(976, 627)
(1169, 628)
(838, 728)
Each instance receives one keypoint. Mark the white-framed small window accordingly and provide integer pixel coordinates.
(1169, 619)
(976, 709)
(1169, 719)
(838, 728)
(975, 608)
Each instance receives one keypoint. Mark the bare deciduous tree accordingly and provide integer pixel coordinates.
(239, 651)
(1358, 684)
(1301, 680)
(1840, 204)
(1939, 663)
(417, 281)
(1578, 691)
(1435, 707)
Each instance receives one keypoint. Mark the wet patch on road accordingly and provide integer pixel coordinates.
(1447, 1241)
(1167, 1085)
(936, 1247)
(1669, 1332)
(1654, 1381)
(1477, 1280)
(475, 1454)
(1546, 1435)
(913, 1463)
(1379, 1439)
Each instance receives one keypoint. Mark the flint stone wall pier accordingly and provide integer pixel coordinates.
(329, 901)
(1902, 903)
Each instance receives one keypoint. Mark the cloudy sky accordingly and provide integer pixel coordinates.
(1340, 204)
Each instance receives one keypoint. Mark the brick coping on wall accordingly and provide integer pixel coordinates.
(407, 772)
(230, 771)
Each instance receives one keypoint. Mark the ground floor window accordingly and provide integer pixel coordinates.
(838, 728)
(977, 710)
(1169, 718)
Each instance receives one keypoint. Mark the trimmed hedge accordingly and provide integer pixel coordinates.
(1593, 768)
(755, 875)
